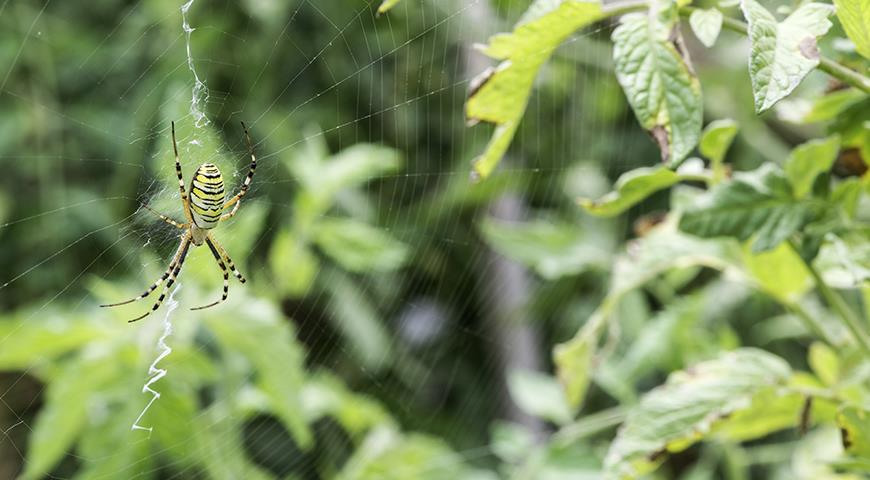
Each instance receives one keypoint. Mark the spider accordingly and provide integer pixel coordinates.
(203, 209)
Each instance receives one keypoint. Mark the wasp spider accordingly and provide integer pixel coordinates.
(204, 208)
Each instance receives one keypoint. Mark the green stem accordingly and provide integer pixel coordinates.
(811, 323)
(832, 68)
(839, 305)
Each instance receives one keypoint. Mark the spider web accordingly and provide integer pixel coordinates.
(304, 76)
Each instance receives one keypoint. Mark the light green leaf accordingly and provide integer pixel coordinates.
(511, 442)
(500, 96)
(270, 345)
(779, 272)
(716, 140)
(37, 341)
(554, 250)
(660, 85)
(758, 203)
(65, 413)
(389, 455)
(539, 395)
(782, 54)
(829, 106)
(825, 363)
(631, 188)
(684, 410)
(292, 264)
(808, 161)
(326, 395)
(855, 431)
(358, 246)
(387, 5)
(706, 24)
(854, 15)
(661, 250)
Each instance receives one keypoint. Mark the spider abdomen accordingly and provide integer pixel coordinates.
(207, 196)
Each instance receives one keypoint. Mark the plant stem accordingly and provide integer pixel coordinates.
(811, 323)
(839, 305)
(832, 68)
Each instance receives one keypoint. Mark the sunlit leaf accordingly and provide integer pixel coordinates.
(386, 5)
(779, 272)
(782, 53)
(500, 96)
(808, 161)
(706, 24)
(66, 411)
(270, 346)
(715, 141)
(632, 188)
(659, 83)
(854, 15)
(824, 362)
(684, 410)
(855, 431)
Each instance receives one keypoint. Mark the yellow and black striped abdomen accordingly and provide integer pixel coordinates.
(207, 196)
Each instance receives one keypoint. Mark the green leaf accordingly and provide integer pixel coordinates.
(631, 188)
(854, 15)
(779, 272)
(358, 321)
(782, 54)
(39, 341)
(808, 161)
(574, 358)
(65, 413)
(674, 416)
(358, 246)
(326, 395)
(829, 106)
(269, 344)
(716, 139)
(758, 203)
(500, 96)
(554, 250)
(292, 264)
(706, 24)
(855, 430)
(389, 455)
(660, 85)
(386, 5)
(539, 395)
(825, 363)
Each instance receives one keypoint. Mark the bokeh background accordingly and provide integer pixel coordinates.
(399, 319)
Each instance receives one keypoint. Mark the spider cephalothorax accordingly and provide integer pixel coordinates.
(203, 209)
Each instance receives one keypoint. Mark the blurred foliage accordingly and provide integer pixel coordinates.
(702, 289)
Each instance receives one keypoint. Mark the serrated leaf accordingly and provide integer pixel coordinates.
(269, 344)
(854, 15)
(808, 161)
(758, 203)
(706, 24)
(358, 246)
(553, 250)
(782, 53)
(539, 395)
(660, 85)
(684, 410)
(631, 188)
(500, 96)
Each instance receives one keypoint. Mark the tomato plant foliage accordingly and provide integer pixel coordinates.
(790, 229)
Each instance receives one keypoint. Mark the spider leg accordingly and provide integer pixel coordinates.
(228, 216)
(220, 261)
(184, 198)
(181, 246)
(165, 218)
(185, 247)
(226, 257)
(248, 178)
